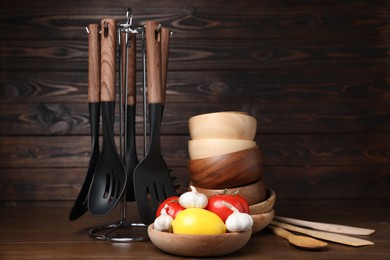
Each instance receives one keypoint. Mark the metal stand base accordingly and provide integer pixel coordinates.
(121, 232)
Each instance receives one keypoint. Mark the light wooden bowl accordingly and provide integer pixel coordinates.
(227, 170)
(265, 205)
(226, 125)
(199, 245)
(253, 193)
(203, 148)
(260, 221)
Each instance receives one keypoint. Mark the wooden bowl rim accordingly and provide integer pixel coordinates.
(268, 203)
(215, 157)
(169, 238)
(198, 149)
(268, 217)
(237, 113)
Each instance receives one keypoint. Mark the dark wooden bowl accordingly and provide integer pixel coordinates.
(227, 170)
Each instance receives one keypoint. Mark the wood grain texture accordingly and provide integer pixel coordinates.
(108, 45)
(314, 74)
(276, 117)
(221, 19)
(302, 150)
(165, 45)
(129, 46)
(153, 62)
(260, 86)
(203, 54)
(93, 63)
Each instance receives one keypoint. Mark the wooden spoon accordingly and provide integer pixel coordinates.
(299, 241)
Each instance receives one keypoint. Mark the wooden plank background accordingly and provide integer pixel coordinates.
(315, 74)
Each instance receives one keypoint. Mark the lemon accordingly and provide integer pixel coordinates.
(198, 221)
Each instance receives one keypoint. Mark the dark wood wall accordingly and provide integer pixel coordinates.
(315, 74)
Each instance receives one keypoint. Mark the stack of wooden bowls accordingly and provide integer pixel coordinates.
(224, 158)
(224, 155)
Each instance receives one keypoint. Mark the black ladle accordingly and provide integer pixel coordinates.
(129, 77)
(110, 175)
(81, 204)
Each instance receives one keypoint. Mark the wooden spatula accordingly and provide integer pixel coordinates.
(326, 226)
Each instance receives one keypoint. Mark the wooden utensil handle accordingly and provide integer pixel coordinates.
(93, 64)
(153, 56)
(108, 54)
(165, 41)
(131, 66)
(280, 231)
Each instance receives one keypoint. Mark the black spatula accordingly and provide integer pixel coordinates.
(152, 181)
(81, 204)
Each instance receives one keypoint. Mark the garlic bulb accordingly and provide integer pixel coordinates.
(164, 221)
(193, 199)
(237, 221)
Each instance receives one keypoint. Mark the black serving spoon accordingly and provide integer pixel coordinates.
(110, 176)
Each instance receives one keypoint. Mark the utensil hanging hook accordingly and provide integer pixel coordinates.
(105, 29)
(157, 32)
(129, 16)
(128, 25)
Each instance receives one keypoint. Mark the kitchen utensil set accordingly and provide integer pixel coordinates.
(113, 174)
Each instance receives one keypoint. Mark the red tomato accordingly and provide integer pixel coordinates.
(244, 203)
(216, 205)
(173, 206)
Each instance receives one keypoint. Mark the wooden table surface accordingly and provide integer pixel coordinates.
(45, 232)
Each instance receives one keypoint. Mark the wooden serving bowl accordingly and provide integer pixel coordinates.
(253, 193)
(226, 125)
(227, 170)
(203, 148)
(199, 245)
(260, 221)
(265, 205)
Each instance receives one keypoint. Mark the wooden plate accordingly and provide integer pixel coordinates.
(260, 221)
(199, 245)
(265, 205)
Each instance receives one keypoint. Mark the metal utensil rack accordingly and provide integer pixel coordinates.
(123, 230)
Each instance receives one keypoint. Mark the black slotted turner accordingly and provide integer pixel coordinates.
(152, 181)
